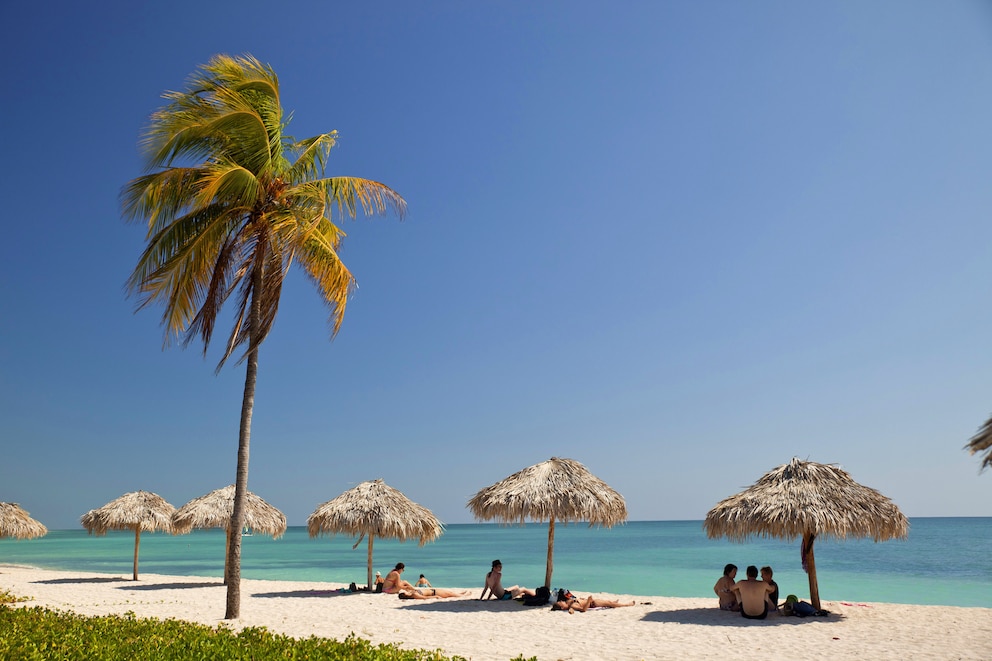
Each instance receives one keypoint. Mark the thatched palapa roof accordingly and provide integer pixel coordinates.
(375, 509)
(140, 511)
(554, 490)
(16, 523)
(557, 489)
(214, 510)
(805, 497)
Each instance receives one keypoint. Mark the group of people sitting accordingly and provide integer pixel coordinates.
(754, 599)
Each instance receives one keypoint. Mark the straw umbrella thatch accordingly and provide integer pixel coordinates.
(375, 509)
(808, 500)
(982, 442)
(214, 511)
(15, 522)
(140, 511)
(554, 490)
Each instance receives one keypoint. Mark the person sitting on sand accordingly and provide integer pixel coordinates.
(724, 589)
(494, 585)
(766, 576)
(393, 583)
(432, 593)
(378, 581)
(582, 605)
(753, 595)
(423, 582)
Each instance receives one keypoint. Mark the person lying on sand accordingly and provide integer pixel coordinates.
(582, 605)
(494, 585)
(432, 593)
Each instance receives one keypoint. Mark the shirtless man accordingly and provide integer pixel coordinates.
(752, 595)
(724, 589)
(393, 583)
(494, 585)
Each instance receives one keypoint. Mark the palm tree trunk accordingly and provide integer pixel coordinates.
(232, 572)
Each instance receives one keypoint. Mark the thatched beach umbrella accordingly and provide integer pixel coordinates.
(808, 500)
(214, 511)
(982, 442)
(15, 522)
(140, 511)
(554, 490)
(375, 509)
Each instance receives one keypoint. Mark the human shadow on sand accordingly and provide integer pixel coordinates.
(718, 618)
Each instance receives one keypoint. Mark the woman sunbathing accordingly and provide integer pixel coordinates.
(582, 605)
(431, 593)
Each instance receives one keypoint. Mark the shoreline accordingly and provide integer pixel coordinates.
(657, 627)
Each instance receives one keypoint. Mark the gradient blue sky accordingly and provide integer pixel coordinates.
(679, 242)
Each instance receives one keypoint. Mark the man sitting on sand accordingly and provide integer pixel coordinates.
(753, 595)
(494, 585)
(582, 605)
(393, 583)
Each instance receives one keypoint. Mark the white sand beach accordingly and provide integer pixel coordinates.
(664, 628)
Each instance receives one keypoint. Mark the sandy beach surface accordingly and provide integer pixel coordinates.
(656, 628)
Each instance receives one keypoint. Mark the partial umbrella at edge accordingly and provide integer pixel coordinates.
(808, 500)
(553, 490)
(982, 442)
(214, 510)
(140, 511)
(375, 509)
(16, 523)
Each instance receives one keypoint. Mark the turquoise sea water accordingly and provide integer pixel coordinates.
(945, 561)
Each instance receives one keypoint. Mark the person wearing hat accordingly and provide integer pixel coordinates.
(378, 582)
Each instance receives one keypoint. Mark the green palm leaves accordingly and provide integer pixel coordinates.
(232, 202)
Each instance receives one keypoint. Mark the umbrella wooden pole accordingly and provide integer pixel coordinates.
(551, 553)
(814, 590)
(137, 540)
(371, 536)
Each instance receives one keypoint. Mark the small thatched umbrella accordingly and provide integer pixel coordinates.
(15, 522)
(214, 511)
(375, 509)
(139, 511)
(808, 500)
(554, 490)
(982, 441)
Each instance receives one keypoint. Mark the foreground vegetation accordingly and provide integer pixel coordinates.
(43, 634)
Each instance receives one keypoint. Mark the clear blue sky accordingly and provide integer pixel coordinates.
(679, 242)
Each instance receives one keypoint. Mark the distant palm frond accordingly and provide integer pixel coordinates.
(16, 523)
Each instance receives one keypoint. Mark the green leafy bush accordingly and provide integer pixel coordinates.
(43, 634)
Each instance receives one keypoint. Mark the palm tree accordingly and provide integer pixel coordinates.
(982, 442)
(231, 203)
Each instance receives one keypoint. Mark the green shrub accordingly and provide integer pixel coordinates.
(43, 634)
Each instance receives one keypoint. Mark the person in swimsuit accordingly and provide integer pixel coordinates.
(494, 586)
(766, 576)
(432, 593)
(753, 595)
(582, 605)
(423, 582)
(724, 589)
(393, 583)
